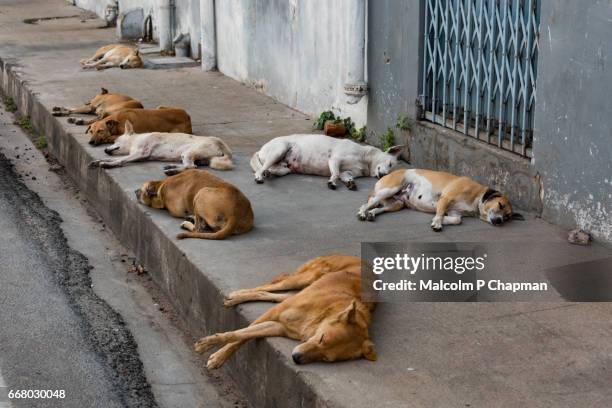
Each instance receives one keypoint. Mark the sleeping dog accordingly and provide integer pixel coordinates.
(103, 104)
(448, 196)
(161, 119)
(339, 159)
(216, 208)
(113, 55)
(328, 315)
(189, 149)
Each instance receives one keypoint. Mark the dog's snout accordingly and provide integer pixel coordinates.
(297, 357)
(92, 142)
(497, 220)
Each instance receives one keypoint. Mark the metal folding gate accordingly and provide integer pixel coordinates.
(479, 69)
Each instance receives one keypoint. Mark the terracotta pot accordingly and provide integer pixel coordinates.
(334, 129)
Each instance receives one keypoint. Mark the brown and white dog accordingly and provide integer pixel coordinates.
(103, 104)
(178, 147)
(450, 197)
(113, 55)
(161, 119)
(217, 207)
(327, 315)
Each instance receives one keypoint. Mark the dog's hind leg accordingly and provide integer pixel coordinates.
(334, 168)
(374, 201)
(272, 157)
(188, 162)
(279, 170)
(389, 205)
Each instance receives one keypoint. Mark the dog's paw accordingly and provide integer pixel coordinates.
(266, 174)
(206, 343)
(230, 301)
(216, 360)
(106, 165)
(259, 180)
(169, 166)
(171, 172)
(361, 216)
(370, 216)
(436, 225)
(187, 225)
(70, 120)
(331, 185)
(94, 163)
(79, 122)
(351, 185)
(56, 108)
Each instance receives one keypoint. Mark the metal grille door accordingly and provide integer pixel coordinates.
(479, 69)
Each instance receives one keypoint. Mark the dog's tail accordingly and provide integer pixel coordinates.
(223, 233)
(223, 162)
(255, 162)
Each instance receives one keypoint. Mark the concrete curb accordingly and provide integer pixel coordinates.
(264, 374)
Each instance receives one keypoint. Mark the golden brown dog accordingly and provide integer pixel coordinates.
(163, 119)
(103, 104)
(328, 315)
(215, 205)
(450, 197)
(114, 55)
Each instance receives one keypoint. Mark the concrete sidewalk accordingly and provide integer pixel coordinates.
(430, 355)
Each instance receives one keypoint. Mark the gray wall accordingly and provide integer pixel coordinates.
(573, 135)
(570, 178)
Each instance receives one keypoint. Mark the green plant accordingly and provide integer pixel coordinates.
(403, 122)
(387, 140)
(359, 135)
(41, 143)
(324, 117)
(9, 104)
(25, 124)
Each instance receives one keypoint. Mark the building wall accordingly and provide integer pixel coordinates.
(573, 136)
(292, 50)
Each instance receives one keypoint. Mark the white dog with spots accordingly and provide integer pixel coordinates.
(339, 159)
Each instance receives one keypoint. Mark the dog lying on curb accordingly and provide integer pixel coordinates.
(161, 119)
(217, 208)
(103, 104)
(340, 159)
(181, 147)
(450, 197)
(327, 315)
(113, 55)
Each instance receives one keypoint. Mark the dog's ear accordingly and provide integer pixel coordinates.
(129, 129)
(112, 125)
(395, 150)
(489, 194)
(103, 91)
(151, 190)
(138, 53)
(348, 314)
(517, 216)
(368, 350)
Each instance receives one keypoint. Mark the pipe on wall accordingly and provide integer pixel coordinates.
(165, 23)
(355, 86)
(209, 38)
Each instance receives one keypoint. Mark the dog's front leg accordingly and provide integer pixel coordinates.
(348, 180)
(441, 208)
(258, 330)
(217, 359)
(334, 169)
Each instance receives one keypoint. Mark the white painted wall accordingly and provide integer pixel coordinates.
(293, 50)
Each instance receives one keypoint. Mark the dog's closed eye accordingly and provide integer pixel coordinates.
(321, 339)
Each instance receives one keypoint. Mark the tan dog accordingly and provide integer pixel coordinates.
(327, 315)
(450, 197)
(103, 104)
(214, 204)
(162, 119)
(113, 55)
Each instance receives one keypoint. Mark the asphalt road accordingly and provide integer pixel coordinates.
(55, 333)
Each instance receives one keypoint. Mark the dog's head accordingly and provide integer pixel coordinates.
(133, 60)
(148, 194)
(384, 162)
(495, 208)
(99, 97)
(343, 337)
(103, 131)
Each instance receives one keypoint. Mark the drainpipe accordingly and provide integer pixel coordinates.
(355, 87)
(165, 23)
(209, 38)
